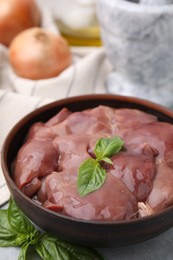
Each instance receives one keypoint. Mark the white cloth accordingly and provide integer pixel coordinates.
(19, 96)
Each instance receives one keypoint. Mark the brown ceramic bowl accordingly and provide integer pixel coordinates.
(89, 233)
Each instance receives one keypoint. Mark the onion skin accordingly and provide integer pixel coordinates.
(16, 16)
(38, 54)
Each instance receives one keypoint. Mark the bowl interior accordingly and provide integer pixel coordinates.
(18, 133)
(97, 234)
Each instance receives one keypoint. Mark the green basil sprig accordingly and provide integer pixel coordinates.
(50, 247)
(92, 175)
(17, 230)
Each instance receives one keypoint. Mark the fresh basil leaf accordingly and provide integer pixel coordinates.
(107, 147)
(79, 252)
(107, 160)
(23, 252)
(7, 236)
(17, 220)
(31, 238)
(91, 177)
(34, 237)
(48, 250)
(50, 247)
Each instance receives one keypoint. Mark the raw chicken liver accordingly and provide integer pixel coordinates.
(47, 164)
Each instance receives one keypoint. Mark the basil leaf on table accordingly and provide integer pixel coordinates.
(50, 247)
(91, 176)
(7, 236)
(17, 230)
(17, 220)
(23, 252)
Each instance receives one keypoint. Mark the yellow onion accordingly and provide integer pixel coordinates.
(39, 54)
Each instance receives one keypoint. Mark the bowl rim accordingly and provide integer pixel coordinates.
(49, 106)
